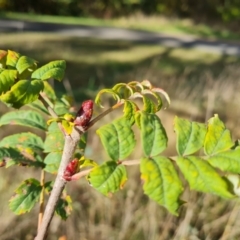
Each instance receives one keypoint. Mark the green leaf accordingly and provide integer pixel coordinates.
(158, 105)
(129, 110)
(38, 105)
(85, 162)
(117, 138)
(228, 161)
(23, 92)
(12, 58)
(190, 136)
(25, 63)
(7, 79)
(54, 140)
(24, 118)
(161, 182)
(64, 207)
(52, 162)
(26, 195)
(3, 57)
(49, 91)
(14, 156)
(25, 139)
(153, 135)
(218, 138)
(113, 93)
(54, 69)
(203, 177)
(108, 177)
(148, 105)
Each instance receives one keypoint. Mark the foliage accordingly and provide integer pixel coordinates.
(217, 10)
(206, 155)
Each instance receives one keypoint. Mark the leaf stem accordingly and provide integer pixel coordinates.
(49, 106)
(103, 114)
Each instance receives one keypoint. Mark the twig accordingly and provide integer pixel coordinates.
(103, 114)
(41, 201)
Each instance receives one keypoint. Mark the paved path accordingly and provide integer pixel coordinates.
(111, 33)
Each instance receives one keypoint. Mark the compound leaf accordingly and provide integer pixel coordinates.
(203, 177)
(161, 182)
(153, 135)
(64, 207)
(190, 136)
(218, 138)
(25, 139)
(228, 161)
(54, 69)
(52, 162)
(129, 110)
(117, 138)
(24, 118)
(26, 195)
(12, 58)
(108, 177)
(25, 63)
(7, 79)
(54, 140)
(23, 92)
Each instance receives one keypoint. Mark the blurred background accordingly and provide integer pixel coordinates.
(189, 48)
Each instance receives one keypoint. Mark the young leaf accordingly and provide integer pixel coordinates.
(153, 135)
(24, 118)
(117, 138)
(23, 92)
(108, 177)
(38, 105)
(203, 177)
(3, 57)
(12, 58)
(228, 161)
(13, 156)
(52, 162)
(25, 139)
(64, 207)
(27, 194)
(218, 138)
(25, 63)
(54, 140)
(161, 182)
(54, 69)
(7, 79)
(190, 136)
(129, 110)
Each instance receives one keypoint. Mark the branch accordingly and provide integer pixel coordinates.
(70, 145)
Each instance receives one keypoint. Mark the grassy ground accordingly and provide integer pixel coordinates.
(199, 84)
(153, 23)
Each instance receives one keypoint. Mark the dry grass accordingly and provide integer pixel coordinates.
(199, 85)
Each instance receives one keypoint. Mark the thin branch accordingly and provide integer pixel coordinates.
(49, 106)
(41, 200)
(103, 114)
(130, 162)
